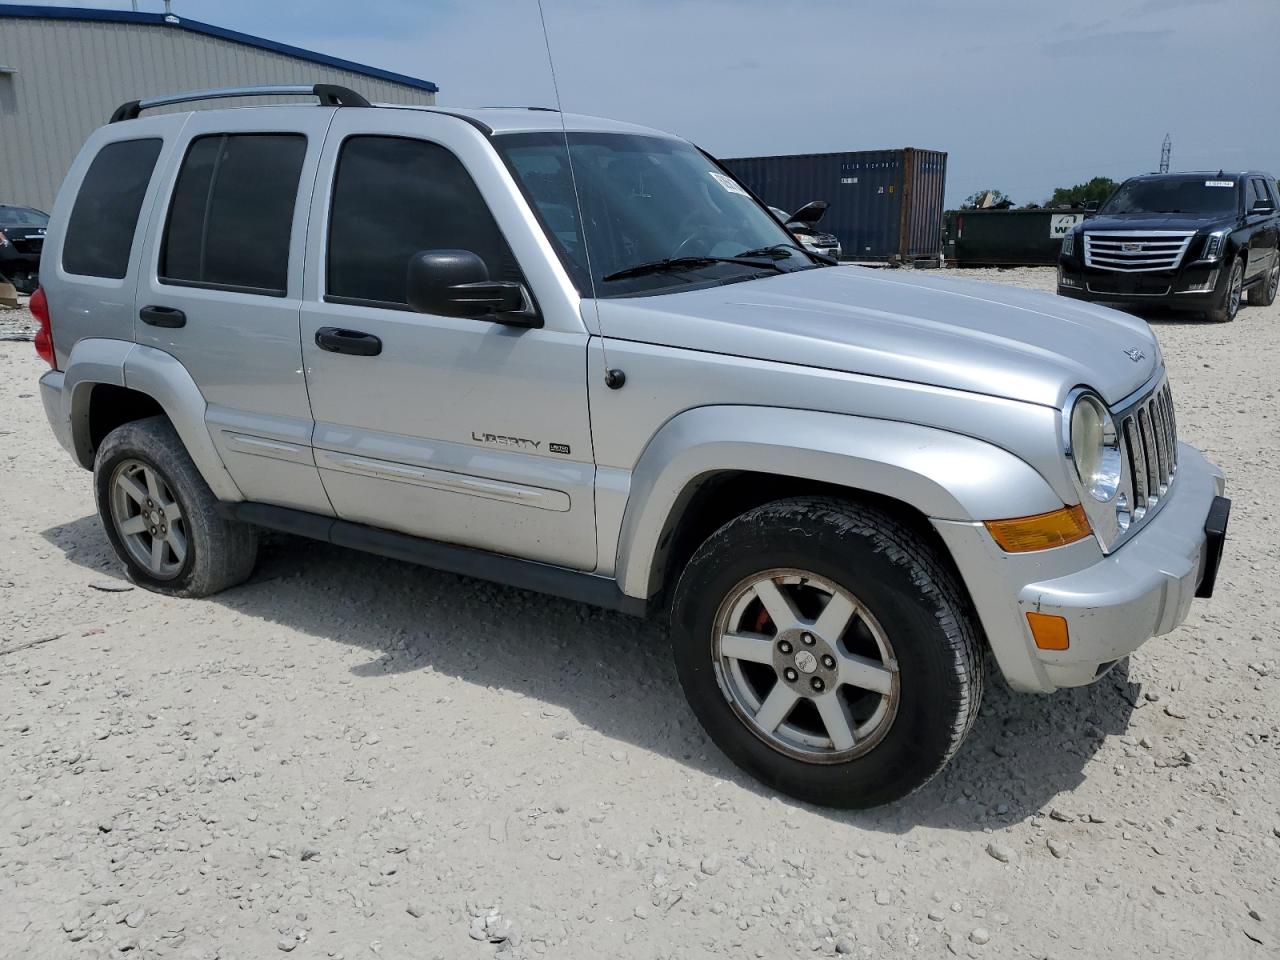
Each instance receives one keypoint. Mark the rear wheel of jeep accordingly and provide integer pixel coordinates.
(1263, 293)
(161, 516)
(827, 651)
(1228, 302)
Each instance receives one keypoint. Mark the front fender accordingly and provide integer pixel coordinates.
(943, 475)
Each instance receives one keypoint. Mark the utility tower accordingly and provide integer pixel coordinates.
(1165, 149)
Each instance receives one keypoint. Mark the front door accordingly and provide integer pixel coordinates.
(461, 430)
(222, 287)
(1262, 244)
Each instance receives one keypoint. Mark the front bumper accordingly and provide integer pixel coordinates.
(1193, 286)
(1112, 603)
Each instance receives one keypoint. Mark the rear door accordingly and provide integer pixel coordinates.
(461, 430)
(223, 286)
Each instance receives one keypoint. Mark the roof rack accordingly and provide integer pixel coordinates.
(330, 95)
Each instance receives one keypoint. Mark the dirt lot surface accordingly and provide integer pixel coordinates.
(353, 757)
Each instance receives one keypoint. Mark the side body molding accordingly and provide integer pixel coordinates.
(943, 475)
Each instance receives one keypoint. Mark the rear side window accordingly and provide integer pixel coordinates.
(394, 197)
(104, 219)
(232, 213)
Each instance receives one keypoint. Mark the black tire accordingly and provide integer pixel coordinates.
(218, 553)
(912, 597)
(1227, 304)
(1263, 293)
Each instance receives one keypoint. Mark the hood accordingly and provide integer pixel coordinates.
(1164, 221)
(916, 326)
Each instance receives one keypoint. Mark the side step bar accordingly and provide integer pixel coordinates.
(512, 571)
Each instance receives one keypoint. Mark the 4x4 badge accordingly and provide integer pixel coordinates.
(1134, 354)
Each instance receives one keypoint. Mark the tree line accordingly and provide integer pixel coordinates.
(1097, 190)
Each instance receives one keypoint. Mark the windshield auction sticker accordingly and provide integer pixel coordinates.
(1219, 183)
(728, 183)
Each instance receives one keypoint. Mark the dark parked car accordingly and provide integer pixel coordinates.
(1188, 241)
(21, 240)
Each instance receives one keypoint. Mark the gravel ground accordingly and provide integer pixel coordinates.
(353, 757)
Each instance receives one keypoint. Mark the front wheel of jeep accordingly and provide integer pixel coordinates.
(827, 651)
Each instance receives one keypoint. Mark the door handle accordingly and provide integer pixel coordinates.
(162, 317)
(353, 342)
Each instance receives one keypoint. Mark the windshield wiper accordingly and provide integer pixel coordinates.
(685, 263)
(778, 251)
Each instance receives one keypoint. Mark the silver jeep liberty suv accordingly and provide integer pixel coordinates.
(578, 356)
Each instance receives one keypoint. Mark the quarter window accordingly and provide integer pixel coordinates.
(104, 219)
(394, 197)
(231, 216)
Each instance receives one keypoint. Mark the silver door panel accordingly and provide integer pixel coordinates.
(242, 348)
(464, 431)
(271, 455)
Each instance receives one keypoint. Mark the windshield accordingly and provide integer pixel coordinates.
(646, 200)
(1202, 196)
(22, 217)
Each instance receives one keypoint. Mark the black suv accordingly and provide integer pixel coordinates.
(22, 232)
(1187, 241)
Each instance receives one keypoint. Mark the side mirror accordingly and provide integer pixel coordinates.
(455, 283)
(1262, 206)
(1091, 205)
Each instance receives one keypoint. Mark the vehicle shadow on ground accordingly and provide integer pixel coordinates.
(614, 674)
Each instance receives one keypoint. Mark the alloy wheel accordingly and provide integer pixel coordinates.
(1236, 291)
(805, 666)
(148, 519)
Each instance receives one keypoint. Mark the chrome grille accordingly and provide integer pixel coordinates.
(1136, 251)
(1151, 449)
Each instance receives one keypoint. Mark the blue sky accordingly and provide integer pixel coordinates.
(1024, 95)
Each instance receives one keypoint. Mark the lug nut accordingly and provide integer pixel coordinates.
(807, 638)
(790, 674)
(829, 662)
(784, 647)
(817, 684)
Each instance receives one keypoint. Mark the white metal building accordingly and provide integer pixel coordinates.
(63, 70)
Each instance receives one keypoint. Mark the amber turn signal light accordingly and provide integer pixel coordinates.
(1050, 631)
(1054, 529)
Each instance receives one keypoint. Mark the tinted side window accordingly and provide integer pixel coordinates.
(393, 197)
(104, 218)
(232, 213)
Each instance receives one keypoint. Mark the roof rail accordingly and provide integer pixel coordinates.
(330, 95)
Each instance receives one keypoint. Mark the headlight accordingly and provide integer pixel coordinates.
(1094, 446)
(1069, 244)
(1214, 244)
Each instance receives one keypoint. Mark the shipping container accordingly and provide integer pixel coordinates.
(1006, 238)
(885, 204)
